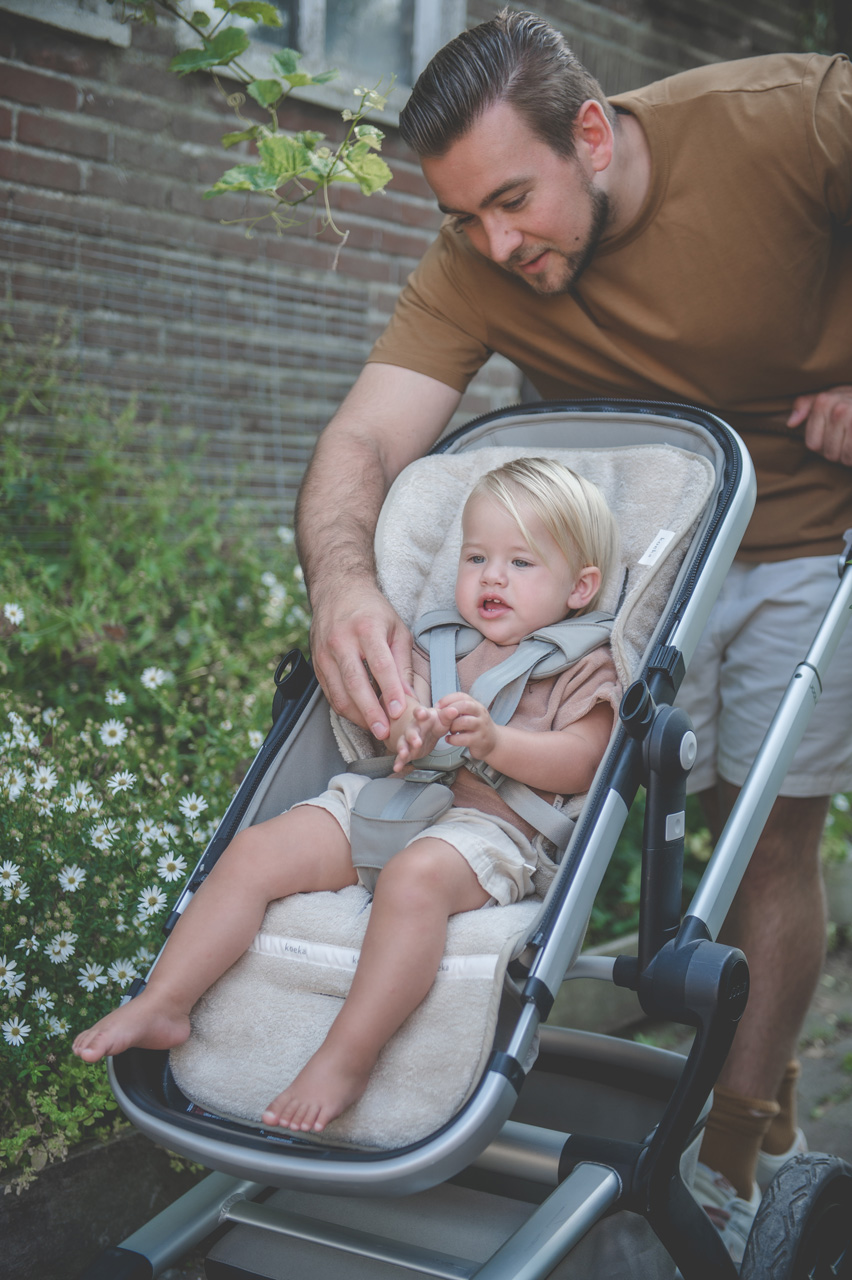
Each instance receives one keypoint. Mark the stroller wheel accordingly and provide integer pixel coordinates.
(803, 1228)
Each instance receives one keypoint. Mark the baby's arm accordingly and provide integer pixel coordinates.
(560, 760)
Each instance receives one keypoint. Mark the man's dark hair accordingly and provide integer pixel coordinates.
(516, 58)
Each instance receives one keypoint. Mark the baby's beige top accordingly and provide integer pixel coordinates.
(550, 704)
(732, 289)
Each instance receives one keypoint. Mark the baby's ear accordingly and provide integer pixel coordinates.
(586, 585)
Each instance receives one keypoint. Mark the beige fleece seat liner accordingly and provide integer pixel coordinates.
(259, 1024)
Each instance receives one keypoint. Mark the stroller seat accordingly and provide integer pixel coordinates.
(289, 986)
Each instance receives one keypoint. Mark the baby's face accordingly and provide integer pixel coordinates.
(505, 588)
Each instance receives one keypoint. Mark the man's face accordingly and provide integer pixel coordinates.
(536, 213)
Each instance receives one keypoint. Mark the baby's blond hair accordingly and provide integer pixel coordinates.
(572, 509)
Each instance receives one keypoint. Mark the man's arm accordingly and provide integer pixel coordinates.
(390, 417)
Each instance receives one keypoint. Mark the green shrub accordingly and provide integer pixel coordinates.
(140, 619)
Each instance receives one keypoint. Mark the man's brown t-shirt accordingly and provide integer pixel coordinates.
(732, 289)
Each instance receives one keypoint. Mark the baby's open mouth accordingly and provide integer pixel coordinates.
(492, 604)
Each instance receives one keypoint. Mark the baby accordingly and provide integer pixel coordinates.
(537, 543)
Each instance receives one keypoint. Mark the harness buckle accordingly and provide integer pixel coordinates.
(486, 772)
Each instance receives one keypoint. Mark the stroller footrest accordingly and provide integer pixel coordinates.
(349, 1240)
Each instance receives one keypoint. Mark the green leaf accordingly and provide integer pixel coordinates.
(370, 134)
(265, 91)
(258, 11)
(286, 61)
(369, 170)
(323, 77)
(200, 18)
(244, 135)
(283, 155)
(309, 137)
(218, 52)
(244, 177)
(298, 79)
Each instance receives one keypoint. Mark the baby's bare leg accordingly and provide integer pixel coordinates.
(416, 893)
(299, 852)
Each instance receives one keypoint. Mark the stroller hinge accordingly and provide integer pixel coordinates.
(538, 993)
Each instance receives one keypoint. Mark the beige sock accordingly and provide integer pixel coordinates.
(782, 1131)
(735, 1130)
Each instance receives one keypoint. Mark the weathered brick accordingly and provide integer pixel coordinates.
(135, 112)
(71, 136)
(5, 122)
(155, 155)
(36, 170)
(109, 182)
(20, 84)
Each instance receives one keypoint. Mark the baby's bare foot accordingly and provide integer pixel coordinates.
(142, 1023)
(322, 1090)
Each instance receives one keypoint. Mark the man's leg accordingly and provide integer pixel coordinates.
(778, 920)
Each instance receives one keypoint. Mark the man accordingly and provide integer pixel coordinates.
(689, 241)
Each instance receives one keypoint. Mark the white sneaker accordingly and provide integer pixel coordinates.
(768, 1166)
(730, 1214)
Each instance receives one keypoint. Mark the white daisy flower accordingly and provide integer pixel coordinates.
(57, 1026)
(15, 984)
(104, 835)
(17, 893)
(255, 739)
(151, 900)
(227, 726)
(112, 733)
(28, 945)
(183, 637)
(49, 715)
(92, 805)
(14, 614)
(7, 969)
(269, 580)
(147, 829)
(143, 956)
(70, 804)
(192, 806)
(122, 781)
(171, 866)
(61, 948)
(115, 698)
(15, 1030)
(91, 976)
(153, 677)
(123, 972)
(44, 806)
(44, 778)
(10, 873)
(285, 533)
(71, 878)
(15, 783)
(841, 802)
(42, 999)
(120, 924)
(168, 831)
(81, 790)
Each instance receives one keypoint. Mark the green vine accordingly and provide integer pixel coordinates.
(291, 169)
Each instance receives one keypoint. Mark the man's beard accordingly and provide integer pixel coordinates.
(573, 264)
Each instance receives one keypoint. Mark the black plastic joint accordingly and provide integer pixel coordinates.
(119, 1264)
(625, 972)
(505, 1065)
(668, 660)
(538, 993)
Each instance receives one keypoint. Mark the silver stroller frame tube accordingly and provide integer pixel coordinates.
(736, 844)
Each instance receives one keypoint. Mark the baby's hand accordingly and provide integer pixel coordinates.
(424, 731)
(470, 725)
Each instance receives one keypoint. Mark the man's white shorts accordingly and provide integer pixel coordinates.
(758, 632)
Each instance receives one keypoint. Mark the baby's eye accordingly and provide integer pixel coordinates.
(521, 564)
(473, 558)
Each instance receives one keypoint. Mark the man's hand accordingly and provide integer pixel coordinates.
(828, 423)
(356, 635)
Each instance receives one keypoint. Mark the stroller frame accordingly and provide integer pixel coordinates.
(680, 973)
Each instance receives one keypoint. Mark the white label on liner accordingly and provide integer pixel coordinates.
(658, 546)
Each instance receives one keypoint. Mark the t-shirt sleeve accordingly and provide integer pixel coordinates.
(437, 327)
(829, 105)
(591, 680)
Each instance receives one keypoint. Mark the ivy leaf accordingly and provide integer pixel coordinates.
(244, 177)
(369, 170)
(283, 155)
(323, 77)
(244, 135)
(218, 52)
(265, 91)
(286, 61)
(258, 11)
(298, 79)
(370, 134)
(200, 18)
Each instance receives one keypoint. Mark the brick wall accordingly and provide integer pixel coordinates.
(104, 155)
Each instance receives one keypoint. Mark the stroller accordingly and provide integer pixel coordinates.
(492, 1144)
